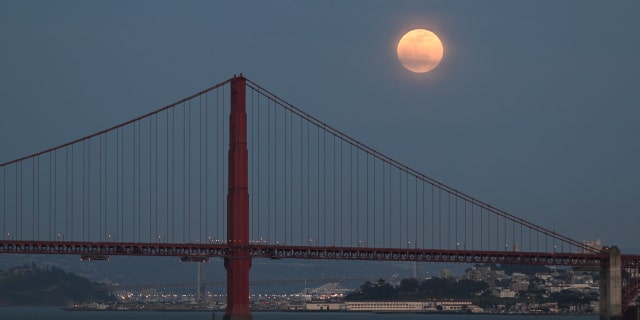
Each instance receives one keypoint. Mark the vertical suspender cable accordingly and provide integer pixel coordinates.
(224, 159)
(84, 209)
(341, 193)
(318, 187)
(505, 233)
(498, 229)
(150, 182)
(406, 205)
(416, 214)
(17, 196)
(184, 172)
(257, 156)
(89, 192)
(167, 234)
(4, 201)
(449, 219)
(55, 193)
(384, 202)
(481, 228)
(122, 233)
(400, 207)
(432, 219)
(424, 218)
(117, 181)
(33, 198)
(513, 236)
(291, 174)
(218, 175)
(156, 177)
(252, 171)
(106, 178)
(133, 182)
(268, 236)
(121, 185)
(274, 194)
(173, 174)
(139, 180)
(51, 237)
(334, 190)
(71, 235)
(275, 172)
(472, 228)
(200, 169)
(324, 186)
(357, 195)
(456, 222)
(301, 182)
(101, 194)
(390, 205)
(366, 177)
(284, 173)
(465, 226)
(37, 222)
(440, 218)
(375, 200)
(206, 164)
(351, 190)
(521, 237)
(308, 180)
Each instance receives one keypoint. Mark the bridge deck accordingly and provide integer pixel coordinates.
(309, 252)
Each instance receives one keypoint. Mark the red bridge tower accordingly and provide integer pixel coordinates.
(239, 263)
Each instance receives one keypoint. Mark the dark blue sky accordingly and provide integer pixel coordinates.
(533, 109)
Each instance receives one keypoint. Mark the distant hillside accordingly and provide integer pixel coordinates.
(50, 286)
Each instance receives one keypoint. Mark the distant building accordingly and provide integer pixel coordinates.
(520, 286)
(327, 291)
(479, 274)
(595, 244)
(504, 293)
(410, 306)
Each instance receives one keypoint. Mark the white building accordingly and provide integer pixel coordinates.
(395, 306)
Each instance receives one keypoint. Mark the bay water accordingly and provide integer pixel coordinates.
(41, 313)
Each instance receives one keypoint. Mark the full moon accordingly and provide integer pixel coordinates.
(420, 50)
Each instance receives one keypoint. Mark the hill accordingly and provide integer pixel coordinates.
(49, 286)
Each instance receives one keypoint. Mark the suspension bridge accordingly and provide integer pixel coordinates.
(234, 171)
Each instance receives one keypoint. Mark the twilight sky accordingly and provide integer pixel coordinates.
(533, 109)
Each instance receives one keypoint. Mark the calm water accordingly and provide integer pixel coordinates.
(22, 313)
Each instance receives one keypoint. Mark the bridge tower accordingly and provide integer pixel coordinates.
(611, 285)
(239, 261)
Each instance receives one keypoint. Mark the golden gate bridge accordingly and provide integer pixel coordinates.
(234, 171)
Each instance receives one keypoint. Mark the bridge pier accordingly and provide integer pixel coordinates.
(611, 285)
(239, 263)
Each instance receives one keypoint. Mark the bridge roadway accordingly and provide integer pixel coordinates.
(102, 250)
